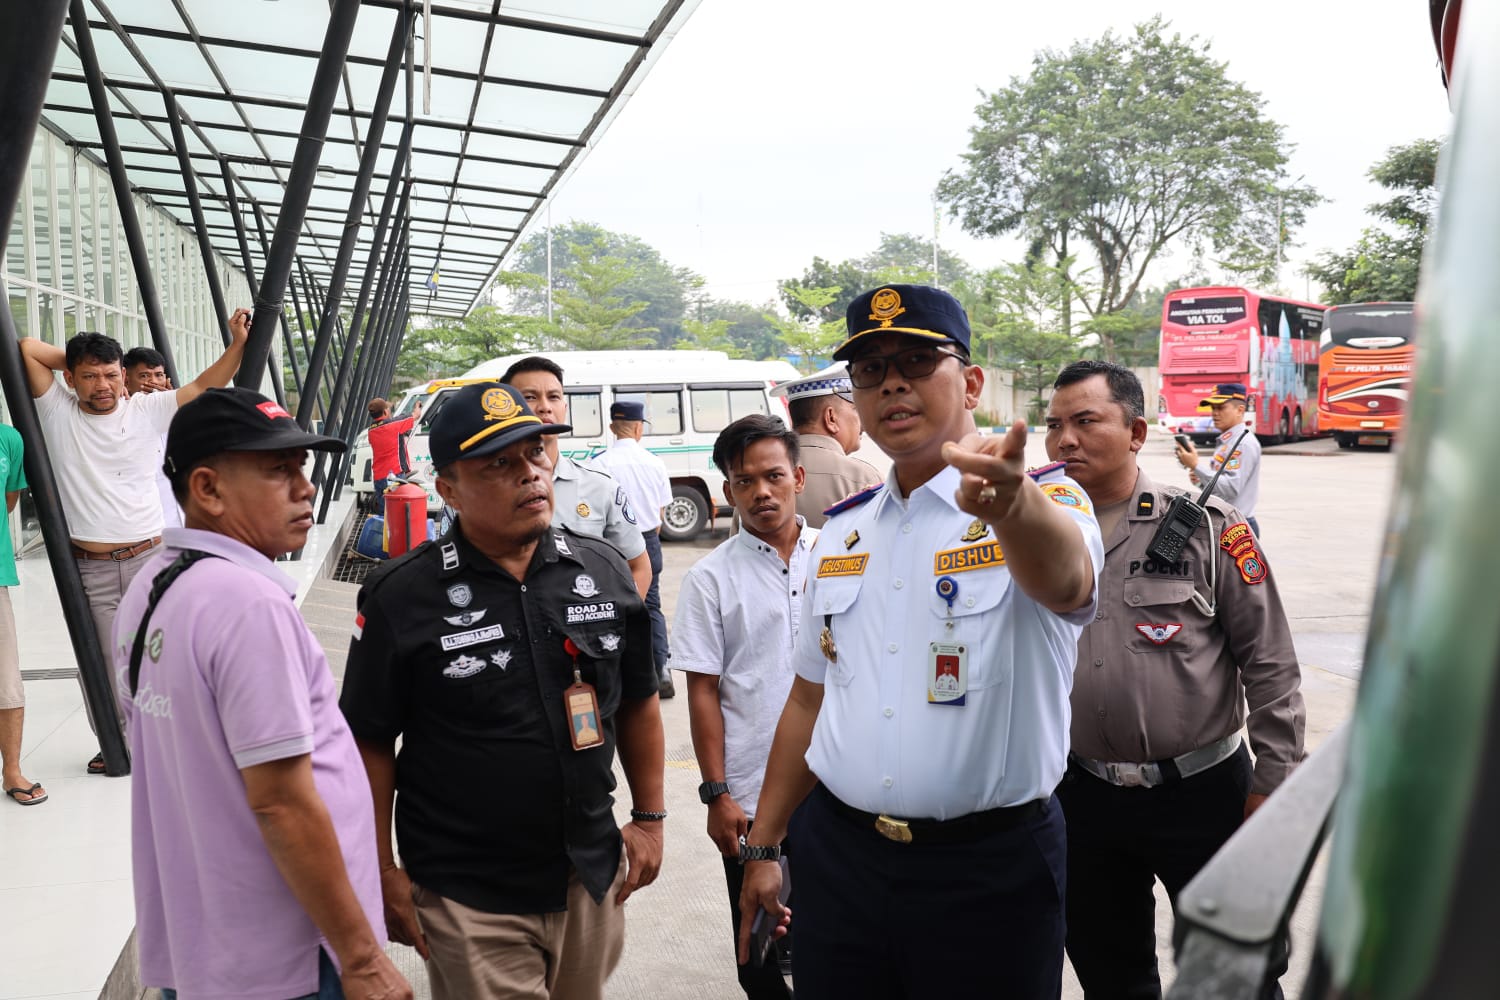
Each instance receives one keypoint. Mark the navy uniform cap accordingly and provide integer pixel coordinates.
(1224, 392)
(627, 410)
(917, 310)
(481, 419)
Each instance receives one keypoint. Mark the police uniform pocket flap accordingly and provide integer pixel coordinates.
(1142, 593)
(834, 595)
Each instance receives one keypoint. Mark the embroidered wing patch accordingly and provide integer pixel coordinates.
(1159, 634)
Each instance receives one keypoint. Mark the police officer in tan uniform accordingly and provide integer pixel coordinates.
(821, 411)
(1158, 776)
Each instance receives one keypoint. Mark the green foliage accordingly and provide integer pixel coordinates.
(451, 346)
(810, 339)
(1383, 265)
(900, 257)
(649, 279)
(1121, 147)
(710, 335)
(590, 315)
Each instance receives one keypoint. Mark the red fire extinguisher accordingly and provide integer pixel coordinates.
(405, 518)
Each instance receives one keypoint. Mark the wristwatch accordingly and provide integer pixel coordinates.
(710, 790)
(759, 852)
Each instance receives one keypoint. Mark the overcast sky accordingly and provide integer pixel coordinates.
(772, 131)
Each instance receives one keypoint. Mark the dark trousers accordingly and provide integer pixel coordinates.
(881, 920)
(766, 982)
(659, 648)
(1254, 526)
(1120, 840)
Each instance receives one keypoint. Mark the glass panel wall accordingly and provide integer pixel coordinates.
(67, 268)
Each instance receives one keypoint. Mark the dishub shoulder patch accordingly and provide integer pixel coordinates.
(854, 500)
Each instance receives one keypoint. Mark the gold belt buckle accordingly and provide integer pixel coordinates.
(893, 829)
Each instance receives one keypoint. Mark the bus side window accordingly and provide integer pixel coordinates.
(743, 402)
(584, 414)
(710, 410)
(663, 409)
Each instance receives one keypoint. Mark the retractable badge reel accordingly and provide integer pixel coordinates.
(582, 705)
(947, 662)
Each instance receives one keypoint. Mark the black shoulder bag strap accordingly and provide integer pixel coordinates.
(159, 586)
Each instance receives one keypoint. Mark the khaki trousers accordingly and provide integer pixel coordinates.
(105, 582)
(507, 956)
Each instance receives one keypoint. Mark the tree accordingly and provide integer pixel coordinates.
(848, 279)
(648, 277)
(450, 346)
(1018, 326)
(708, 335)
(900, 257)
(1122, 148)
(591, 316)
(1384, 264)
(750, 330)
(810, 339)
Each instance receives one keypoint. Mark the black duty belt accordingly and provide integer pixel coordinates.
(936, 831)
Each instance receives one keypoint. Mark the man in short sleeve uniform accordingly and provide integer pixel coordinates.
(928, 722)
(1239, 484)
(822, 412)
(472, 650)
(1158, 777)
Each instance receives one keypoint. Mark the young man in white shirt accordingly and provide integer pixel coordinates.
(99, 438)
(738, 613)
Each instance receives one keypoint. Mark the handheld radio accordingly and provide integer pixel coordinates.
(1183, 517)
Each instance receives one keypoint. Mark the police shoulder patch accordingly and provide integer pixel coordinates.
(1067, 496)
(854, 500)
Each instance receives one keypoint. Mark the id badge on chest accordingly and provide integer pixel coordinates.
(582, 706)
(947, 673)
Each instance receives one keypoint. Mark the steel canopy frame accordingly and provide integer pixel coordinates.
(521, 123)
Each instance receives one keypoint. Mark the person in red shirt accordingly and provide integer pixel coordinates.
(388, 443)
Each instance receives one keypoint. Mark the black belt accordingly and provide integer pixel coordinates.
(936, 831)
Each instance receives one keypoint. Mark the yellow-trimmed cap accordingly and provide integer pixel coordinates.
(916, 310)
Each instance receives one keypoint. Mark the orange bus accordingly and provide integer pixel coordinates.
(1365, 361)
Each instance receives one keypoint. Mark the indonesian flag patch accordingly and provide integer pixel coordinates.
(359, 625)
(1158, 634)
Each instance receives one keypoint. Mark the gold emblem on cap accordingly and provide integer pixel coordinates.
(825, 643)
(852, 540)
(885, 306)
(976, 531)
(583, 510)
(498, 404)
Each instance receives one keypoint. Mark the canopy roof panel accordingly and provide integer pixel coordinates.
(511, 96)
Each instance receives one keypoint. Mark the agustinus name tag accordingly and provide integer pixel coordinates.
(843, 565)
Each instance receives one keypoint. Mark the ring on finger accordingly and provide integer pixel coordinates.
(987, 494)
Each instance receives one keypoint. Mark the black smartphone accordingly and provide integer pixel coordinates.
(761, 936)
(1183, 440)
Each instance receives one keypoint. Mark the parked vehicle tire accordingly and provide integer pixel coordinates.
(686, 516)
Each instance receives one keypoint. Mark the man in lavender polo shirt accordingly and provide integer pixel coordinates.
(252, 824)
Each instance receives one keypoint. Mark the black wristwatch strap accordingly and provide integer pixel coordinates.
(710, 790)
(759, 852)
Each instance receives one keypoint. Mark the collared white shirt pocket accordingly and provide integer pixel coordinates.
(835, 596)
(978, 592)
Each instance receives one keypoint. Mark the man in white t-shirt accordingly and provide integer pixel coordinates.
(738, 613)
(643, 476)
(146, 371)
(100, 439)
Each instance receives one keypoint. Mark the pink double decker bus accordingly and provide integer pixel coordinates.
(1224, 334)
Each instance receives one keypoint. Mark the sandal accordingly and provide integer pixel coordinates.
(96, 766)
(34, 800)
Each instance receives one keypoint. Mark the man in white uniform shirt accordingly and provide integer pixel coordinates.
(648, 489)
(100, 440)
(1236, 452)
(738, 613)
(928, 722)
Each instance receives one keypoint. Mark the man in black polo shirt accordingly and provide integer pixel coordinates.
(511, 658)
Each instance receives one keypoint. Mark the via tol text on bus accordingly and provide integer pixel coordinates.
(1223, 334)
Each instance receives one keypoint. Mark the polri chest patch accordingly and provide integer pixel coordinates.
(1158, 634)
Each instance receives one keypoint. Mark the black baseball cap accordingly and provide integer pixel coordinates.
(234, 419)
(481, 419)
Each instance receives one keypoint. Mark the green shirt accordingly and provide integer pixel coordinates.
(14, 475)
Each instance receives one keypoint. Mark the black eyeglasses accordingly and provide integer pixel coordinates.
(869, 371)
